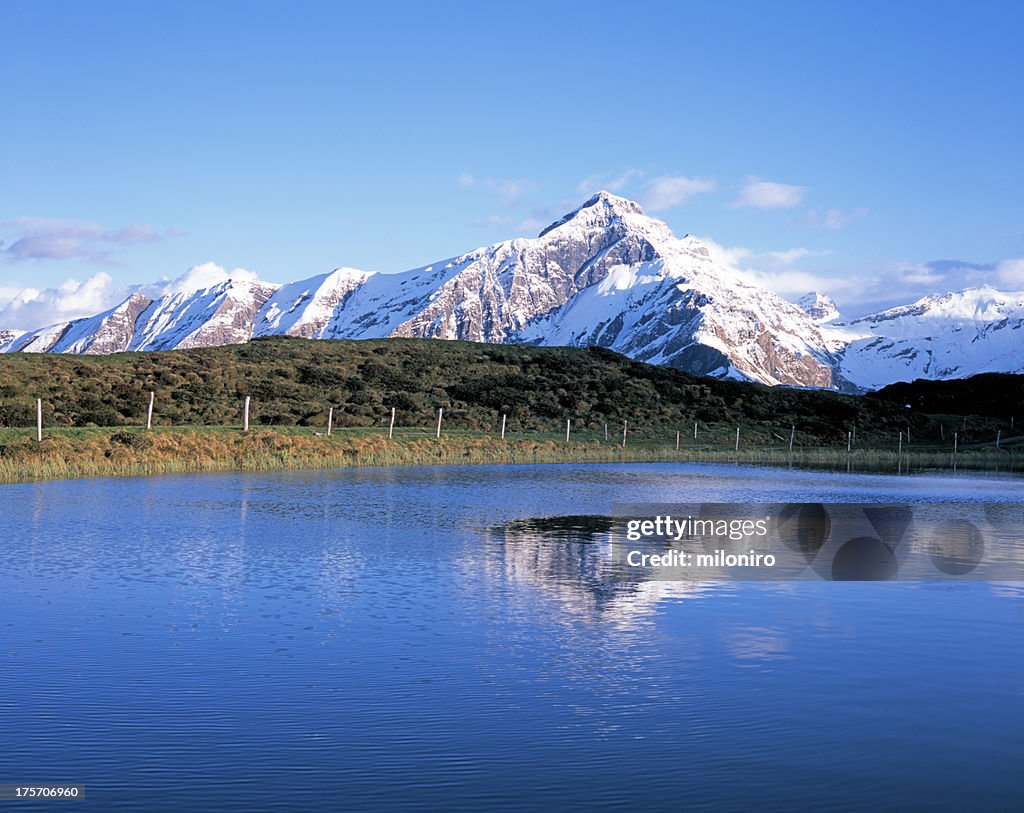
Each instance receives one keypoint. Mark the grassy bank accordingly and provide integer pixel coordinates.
(92, 408)
(105, 452)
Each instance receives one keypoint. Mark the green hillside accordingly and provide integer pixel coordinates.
(292, 382)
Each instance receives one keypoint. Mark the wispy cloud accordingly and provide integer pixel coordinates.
(608, 182)
(837, 218)
(44, 238)
(532, 225)
(939, 276)
(759, 194)
(793, 255)
(796, 271)
(1010, 273)
(834, 219)
(509, 191)
(780, 270)
(669, 191)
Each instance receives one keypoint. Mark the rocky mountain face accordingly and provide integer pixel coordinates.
(8, 336)
(605, 274)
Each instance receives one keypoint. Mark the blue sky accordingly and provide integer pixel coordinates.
(858, 146)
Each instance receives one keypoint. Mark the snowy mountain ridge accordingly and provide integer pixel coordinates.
(604, 274)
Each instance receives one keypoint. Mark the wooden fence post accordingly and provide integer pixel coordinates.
(503, 417)
(391, 426)
(39, 420)
(245, 415)
(330, 420)
(149, 414)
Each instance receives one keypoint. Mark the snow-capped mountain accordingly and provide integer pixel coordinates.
(305, 308)
(8, 336)
(605, 274)
(222, 314)
(977, 330)
(818, 306)
(491, 294)
(685, 309)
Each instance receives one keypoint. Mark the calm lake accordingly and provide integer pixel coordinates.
(386, 640)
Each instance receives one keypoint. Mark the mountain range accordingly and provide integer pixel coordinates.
(605, 274)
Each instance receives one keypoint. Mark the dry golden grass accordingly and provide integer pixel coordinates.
(98, 452)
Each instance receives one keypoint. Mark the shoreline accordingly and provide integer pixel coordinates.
(132, 452)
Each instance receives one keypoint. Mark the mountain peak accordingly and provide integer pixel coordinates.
(615, 201)
(818, 306)
(599, 211)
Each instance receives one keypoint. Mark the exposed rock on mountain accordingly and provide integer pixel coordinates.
(604, 274)
(818, 306)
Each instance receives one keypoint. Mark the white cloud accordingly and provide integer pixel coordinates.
(792, 255)
(769, 195)
(668, 191)
(837, 218)
(7, 293)
(610, 183)
(792, 283)
(733, 257)
(834, 219)
(778, 272)
(920, 274)
(198, 277)
(509, 191)
(898, 283)
(940, 276)
(1011, 273)
(31, 308)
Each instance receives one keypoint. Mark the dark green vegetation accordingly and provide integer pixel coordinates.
(92, 403)
(293, 381)
(995, 395)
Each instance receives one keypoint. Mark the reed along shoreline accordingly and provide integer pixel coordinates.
(121, 451)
